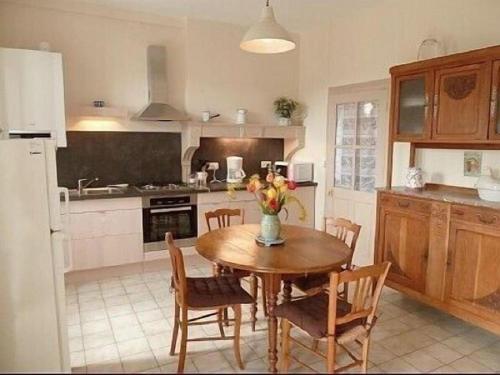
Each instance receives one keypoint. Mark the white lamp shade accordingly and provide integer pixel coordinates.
(267, 36)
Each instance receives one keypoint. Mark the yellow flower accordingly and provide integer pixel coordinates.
(271, 193)
(279, 181)
(283, 188)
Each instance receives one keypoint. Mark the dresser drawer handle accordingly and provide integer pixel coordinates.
(458, 212)
(489, 220)
(403, 204)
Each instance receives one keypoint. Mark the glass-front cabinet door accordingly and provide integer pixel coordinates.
(412, 106)
(495, 103)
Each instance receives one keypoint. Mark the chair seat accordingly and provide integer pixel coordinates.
(215, 291)
(311, 315)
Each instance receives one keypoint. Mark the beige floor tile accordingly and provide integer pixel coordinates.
(436, 332)
(163, 356)
(488, 357)
(97, 340)
(73, 318)
(150, 316)
(101, 354)
(139, 362)
(413, 320)
(134, 346)
(468, 365)
(171, 367)
(115, 311)
(407, 342)
(254, 367)
(136, 288)
(161, 340)
(131, 280)
(92, 305)
(113, 366)
(378, 354)
(144, 305)
(398, 365)
(75, 344)
(88, 287)
(156, 327)
(89, 296)
(446, 369)
(140, 297)
(247, 353)
(90, 328)
(74, 330)
(116, 300)
(394, 326)
(464, 344)
(422, 361)
(77, 359)
(443, 353)
(210, 362)
(128, 333)
(112, 292)
(93, 315)
(124, 321)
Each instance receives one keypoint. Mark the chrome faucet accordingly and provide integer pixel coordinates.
(81, 186)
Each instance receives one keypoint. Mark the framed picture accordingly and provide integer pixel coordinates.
(472, 163)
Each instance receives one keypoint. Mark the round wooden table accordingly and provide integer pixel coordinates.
(305, 251)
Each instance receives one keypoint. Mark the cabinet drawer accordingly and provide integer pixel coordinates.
(403, 203)
(474, 215)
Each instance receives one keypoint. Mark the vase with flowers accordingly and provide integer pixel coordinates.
(273, 195)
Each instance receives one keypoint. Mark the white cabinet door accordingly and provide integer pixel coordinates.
(32, 93)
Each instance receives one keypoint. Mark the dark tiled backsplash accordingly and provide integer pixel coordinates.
(120, 157)
(252, 150)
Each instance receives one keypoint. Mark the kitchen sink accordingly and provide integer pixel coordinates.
(98, 191)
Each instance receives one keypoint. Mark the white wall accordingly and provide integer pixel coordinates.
(222, 78)
(104, 54)
(363, 38)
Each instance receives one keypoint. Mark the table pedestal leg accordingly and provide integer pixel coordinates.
(287, 291)
(273, 284)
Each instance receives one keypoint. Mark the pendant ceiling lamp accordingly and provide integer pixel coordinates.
(267, 36)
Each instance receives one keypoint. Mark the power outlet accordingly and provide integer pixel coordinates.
(265, 163)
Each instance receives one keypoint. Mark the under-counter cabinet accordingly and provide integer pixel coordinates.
(404, 240)
(106, 232)
(443, 254)
(473, 277)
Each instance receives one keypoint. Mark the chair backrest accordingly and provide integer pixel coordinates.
(178, 270)
(223, 216)
(345, 230)
(369, 282)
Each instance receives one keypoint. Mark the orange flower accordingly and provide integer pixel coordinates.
(292, 185)
(273, 203)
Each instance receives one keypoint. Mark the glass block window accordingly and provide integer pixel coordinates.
(355, 143)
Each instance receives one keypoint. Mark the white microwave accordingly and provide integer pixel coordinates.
(296, 171)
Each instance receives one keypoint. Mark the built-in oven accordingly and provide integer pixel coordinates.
(174, 213)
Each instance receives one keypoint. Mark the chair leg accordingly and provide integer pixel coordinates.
(285, 345)
(366, 350)
(237, 328)
(226, 317)
(220, 314)
(330, 354)
(264, 297)
(253, 292)
(184, 336)
(176, 329)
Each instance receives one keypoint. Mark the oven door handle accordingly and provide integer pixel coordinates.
(165, 210)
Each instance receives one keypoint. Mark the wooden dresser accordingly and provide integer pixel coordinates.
(444, 245)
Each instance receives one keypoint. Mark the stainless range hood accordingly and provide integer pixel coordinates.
(158, 109)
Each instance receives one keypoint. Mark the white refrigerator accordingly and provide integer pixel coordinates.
(33, 332)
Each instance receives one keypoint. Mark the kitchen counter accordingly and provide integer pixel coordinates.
(458, 196)
(132, 191)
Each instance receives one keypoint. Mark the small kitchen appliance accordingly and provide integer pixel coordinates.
(488, 187)
(235, 172)
(296, 171)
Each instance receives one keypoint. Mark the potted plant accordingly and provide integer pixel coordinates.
(272, 196)
(284, 108)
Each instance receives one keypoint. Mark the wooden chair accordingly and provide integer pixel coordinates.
(346, 231)
(223, 217)
(202, 294)
(324, 316)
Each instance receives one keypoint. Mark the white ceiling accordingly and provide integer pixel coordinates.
(290, 13)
